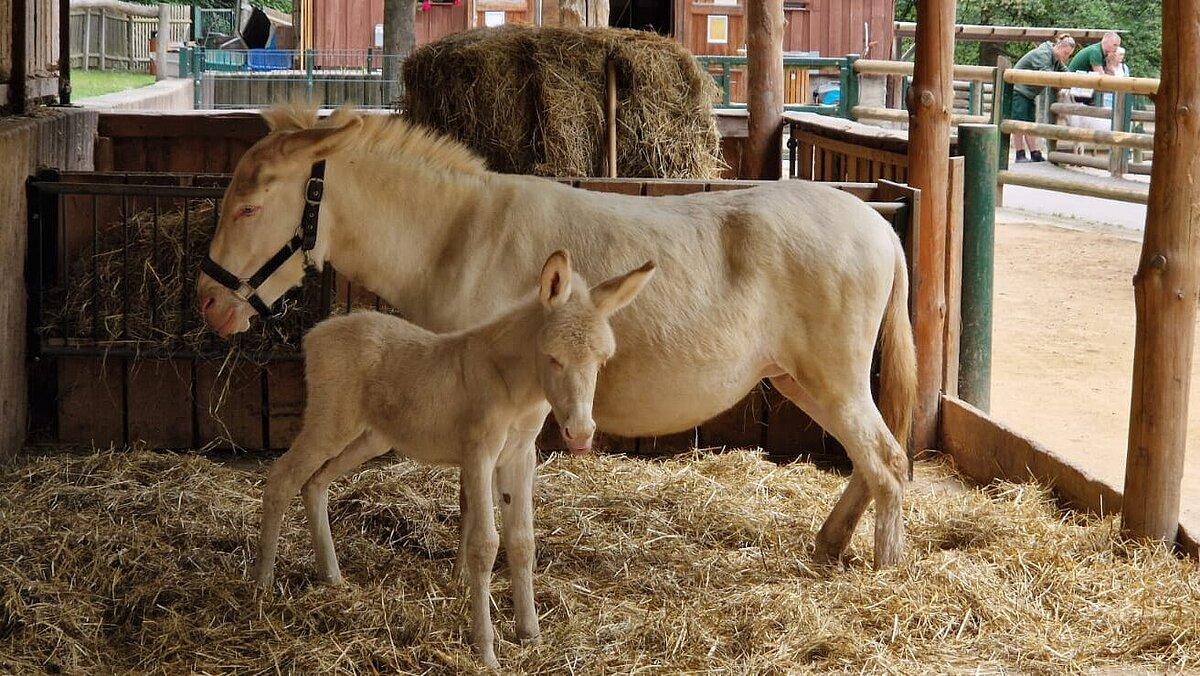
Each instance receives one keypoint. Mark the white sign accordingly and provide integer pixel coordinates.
(493, 19)
(379, 35)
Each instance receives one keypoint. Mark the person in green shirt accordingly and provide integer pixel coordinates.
(1094, 59)
(1048, 56)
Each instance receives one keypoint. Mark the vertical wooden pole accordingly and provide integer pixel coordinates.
(164, 40)
(979, 144)
(64, 52)
(931, 97)
(611, 116)
(1165, 288)
(764, 75)
(18, 87)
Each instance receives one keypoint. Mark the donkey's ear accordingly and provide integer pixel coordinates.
(319, 142)
(618, 292)
(554, 285)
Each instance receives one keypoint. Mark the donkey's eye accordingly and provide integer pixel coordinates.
(555, 363)
(248, 210)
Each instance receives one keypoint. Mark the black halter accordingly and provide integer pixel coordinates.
(304, 240)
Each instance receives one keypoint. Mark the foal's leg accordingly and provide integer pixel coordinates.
(315, 494)
(480, 548)
(312, 447)
(515, 480)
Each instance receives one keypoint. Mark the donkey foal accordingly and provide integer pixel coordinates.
(475, 399)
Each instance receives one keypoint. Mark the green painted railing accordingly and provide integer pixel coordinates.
(721, 68)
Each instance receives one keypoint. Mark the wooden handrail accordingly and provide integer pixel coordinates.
(116, 6)
(1119, 139)
(898, 115)
(881, 67)
(1108, 83)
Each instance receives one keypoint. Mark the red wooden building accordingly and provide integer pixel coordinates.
(706, 27)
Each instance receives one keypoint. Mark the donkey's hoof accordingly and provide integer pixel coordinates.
(825, 555)
(535, 639)
(490, 661)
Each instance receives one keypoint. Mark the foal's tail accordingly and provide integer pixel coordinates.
(898, 380)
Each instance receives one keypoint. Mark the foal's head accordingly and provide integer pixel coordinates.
(575, 340)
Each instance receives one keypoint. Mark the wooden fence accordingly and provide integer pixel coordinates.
(106, 36)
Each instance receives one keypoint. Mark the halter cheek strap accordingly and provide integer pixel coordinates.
(304, 240)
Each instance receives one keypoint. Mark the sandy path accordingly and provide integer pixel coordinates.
(1063, 348)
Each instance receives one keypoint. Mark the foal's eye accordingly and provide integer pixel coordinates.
(555, 363)
(248, 210)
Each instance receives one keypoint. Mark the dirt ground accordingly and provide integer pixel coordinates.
(1063, 347)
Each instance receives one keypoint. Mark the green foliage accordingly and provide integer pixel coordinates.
(1140, 19)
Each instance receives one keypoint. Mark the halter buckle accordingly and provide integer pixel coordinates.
(314, 190)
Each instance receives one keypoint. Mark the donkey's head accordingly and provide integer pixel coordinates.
(575, 340)
(261, 213)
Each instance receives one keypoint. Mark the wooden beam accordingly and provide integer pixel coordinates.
(1122, 139)
(1165, 288)
(1131, 193)
(1108, 83)
(764, 76)
(931, 97)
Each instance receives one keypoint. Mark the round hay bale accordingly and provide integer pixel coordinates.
(532, 101)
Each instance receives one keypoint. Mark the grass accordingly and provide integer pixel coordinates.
(88, 83)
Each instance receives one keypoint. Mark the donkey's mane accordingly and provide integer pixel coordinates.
(389, 138)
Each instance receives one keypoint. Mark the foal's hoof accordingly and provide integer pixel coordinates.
(528, 641)
(490, 661)
(826, 556)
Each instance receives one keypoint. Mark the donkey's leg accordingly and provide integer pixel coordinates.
(312, 447)
(479, 552)
(839, 526)
(879, 470)
(315, 494)
(515, 480)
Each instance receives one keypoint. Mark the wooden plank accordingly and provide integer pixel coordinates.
(954, 244)
(160, 402)
(229, 407)
(623, 186)
(667, 187)
(89, 401)
(285, 387)
(205, 124)
(742, 426)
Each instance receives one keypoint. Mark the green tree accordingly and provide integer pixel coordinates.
(1141, 21)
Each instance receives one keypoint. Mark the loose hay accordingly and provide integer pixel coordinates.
(159, 268)
(532, 100)
(139, 561)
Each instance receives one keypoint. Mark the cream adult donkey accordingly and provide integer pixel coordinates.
(792, 281)
(375, 381)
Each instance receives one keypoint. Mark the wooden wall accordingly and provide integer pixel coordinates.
(350, 24)
(830, 27)
(55, 138)
(40, 48)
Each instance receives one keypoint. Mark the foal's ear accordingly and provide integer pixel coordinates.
(319, 142)
(554, 285)
(618, 292)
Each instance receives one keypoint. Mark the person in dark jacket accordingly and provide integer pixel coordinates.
(1048, 56)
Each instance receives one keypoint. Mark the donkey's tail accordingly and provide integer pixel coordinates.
(898, 378)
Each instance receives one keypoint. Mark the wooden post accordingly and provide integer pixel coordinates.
(103, 39)
(64, 52)
(611, 116)
(764, 76)
(18, 85)
(164, 39)
(87, 40)
(979, 144)
(1165, 289)
(931, 97)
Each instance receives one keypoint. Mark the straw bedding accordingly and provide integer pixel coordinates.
(135, 561)
(532, 100)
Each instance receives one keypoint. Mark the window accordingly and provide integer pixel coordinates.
(493, 19)
(718, 29)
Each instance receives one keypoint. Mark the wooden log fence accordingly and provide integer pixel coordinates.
(110, 34)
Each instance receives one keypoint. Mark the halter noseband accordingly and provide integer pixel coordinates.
(304, 240)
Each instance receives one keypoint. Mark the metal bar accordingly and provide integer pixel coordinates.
(102, 350)
(131, 189)
(979, 144)
(183, 264)
(848, 97)
(64, 52)
(124, 266)
(95, 271)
